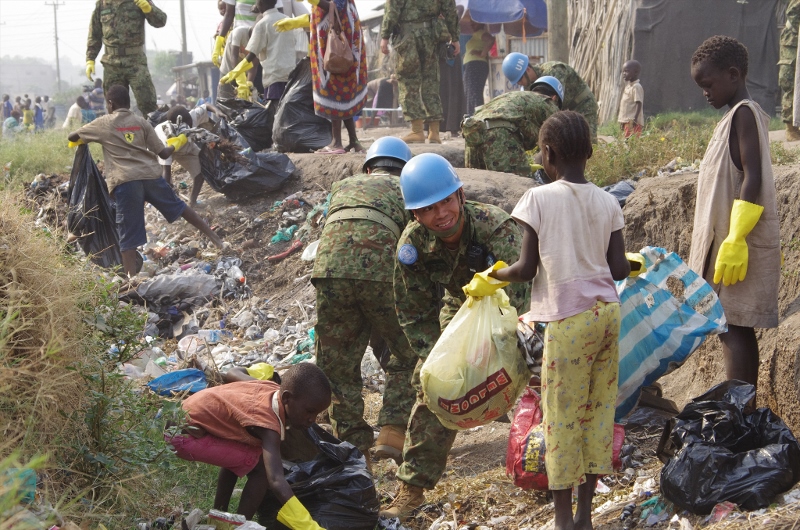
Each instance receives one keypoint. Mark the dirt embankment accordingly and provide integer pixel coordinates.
(660, 212)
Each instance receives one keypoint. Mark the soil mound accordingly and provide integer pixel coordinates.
(660, 212)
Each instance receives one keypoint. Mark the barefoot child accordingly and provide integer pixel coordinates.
(631, 117)
(736, 235)
(573, 249)
(130, 149)
(239, 427)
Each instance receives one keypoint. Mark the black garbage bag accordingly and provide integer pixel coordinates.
(262, 173)
(255, 126)
(297, 129)
(92, 214)
(335, 487)
(723, 451)
(226, 131)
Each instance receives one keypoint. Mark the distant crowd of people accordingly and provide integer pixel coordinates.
(24, 114)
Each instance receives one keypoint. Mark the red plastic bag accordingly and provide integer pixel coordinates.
(526, 450)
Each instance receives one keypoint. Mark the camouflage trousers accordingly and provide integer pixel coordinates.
(418, 74)
(786, 72)
(347, 313)
(588, 109)
(131, 72)
(427, 444)
(501, 150)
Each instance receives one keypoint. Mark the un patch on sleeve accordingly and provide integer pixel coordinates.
(407, 255)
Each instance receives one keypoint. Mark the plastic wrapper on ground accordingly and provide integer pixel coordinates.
(92, 213)
(297, 129)
(188, 380)
(722, 450)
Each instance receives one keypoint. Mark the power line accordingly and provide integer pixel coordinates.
(55, 21)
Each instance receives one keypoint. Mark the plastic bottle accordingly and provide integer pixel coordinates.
(237, 275)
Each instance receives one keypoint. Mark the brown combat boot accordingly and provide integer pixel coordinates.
(390, 443)
(416, 136)
(433, 133)
(792, 133)
(408, 499)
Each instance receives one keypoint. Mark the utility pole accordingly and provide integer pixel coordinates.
(55, 20)
(184, 52)
(557, 31)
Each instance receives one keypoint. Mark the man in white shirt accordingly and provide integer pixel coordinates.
(235, 51)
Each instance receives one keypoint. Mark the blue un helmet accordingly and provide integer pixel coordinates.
(553, 83)
(393, 151)
(427, 179)
(514, 66)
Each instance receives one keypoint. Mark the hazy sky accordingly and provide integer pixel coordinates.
(27, 30)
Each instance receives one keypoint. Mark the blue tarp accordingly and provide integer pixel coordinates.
(508, 12)
(188, 380)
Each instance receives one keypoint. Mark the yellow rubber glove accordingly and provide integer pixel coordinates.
(75, 144)
(177, 142)
(312, 2)
(261, 371)
(536, 167)
(731, 265)
(219, 49)
(244, 91)
(237, 71)
(288, 24)
(90, 70)
(484, 285)
(637, 264)
(144, 5)
(294, 515)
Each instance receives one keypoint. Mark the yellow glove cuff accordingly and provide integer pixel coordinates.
(744, 216)
(75, 144)
(484, 285)
(90, 70)
(178, 142)
(637, 264)
(294, 515)
(312, 2)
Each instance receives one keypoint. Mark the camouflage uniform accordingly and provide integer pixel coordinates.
(353, 277)
(577, 94)
(416, 42)
(427, 296)
(119, 26)
(788, 57)
(498, 134)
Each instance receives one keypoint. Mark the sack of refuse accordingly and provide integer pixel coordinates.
(666, 313)
(92, 214)
(335, 487)
(475, 371)
(525, 457)
(262, 173)
(255, 125)
(720, 449)
(297, 129)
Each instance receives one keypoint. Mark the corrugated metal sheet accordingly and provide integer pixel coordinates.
(533, 47)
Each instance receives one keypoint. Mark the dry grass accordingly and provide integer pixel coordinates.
(41, 334)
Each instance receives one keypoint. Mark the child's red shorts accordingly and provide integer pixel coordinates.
(234, 456)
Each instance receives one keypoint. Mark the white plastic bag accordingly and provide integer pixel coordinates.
(475, 371)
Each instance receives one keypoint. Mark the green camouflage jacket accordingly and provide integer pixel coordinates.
(119, 24)
(360, 249)
(576, 91)
(399, 11)
(789, 32)
(428, 276)
(526, 110)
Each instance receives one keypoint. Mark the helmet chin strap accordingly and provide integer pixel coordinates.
(451, 231)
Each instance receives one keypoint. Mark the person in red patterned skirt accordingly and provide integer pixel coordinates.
(337, 97)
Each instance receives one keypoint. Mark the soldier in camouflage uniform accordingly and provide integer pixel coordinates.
(353, 277)
(577, 94)
(786, 72)
(498, 135)
(415, 29)
(432, 266)
(119, 26)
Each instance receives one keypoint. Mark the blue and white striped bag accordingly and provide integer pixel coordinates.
(666, 314)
